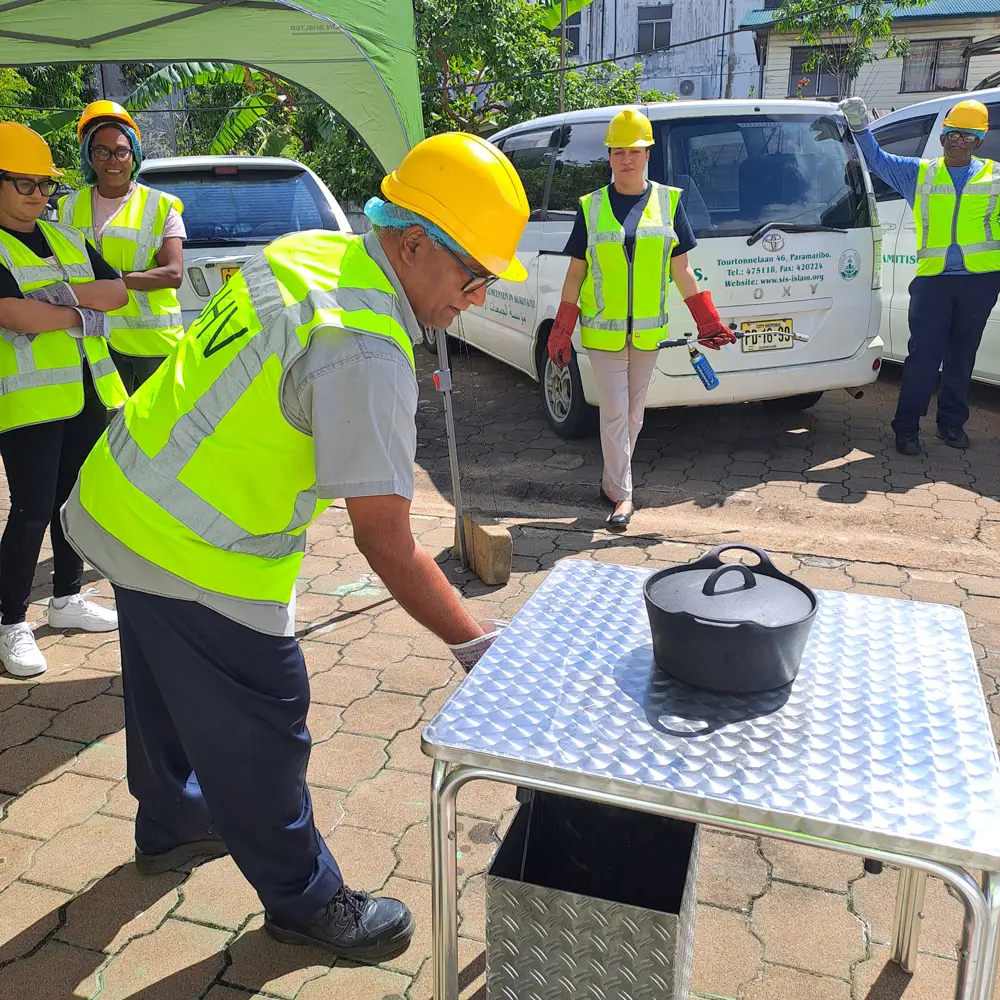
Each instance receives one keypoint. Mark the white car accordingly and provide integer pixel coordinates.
(234, 205)
(914, 131)
(788, 243)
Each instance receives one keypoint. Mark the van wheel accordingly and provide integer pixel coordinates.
(431, 339)
(566, 410)
(793, 404)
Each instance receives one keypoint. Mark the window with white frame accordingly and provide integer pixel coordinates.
(935, 65)
(824, 76)
(573, 23)
(654, 27)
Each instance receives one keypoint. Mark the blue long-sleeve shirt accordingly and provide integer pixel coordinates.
(900, 173)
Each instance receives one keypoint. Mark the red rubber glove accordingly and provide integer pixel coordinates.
(560, 338)
(712, 332)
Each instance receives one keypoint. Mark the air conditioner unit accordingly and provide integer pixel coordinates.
(690, 88)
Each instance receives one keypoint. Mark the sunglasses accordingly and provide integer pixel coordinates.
(120, 153)
(476, 281)
(26, 186)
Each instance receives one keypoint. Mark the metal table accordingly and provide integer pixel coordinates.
(881, 748)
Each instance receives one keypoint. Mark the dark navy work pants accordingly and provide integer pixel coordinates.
(948, 313)
(215, 726)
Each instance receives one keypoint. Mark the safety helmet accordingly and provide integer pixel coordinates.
(629, 129)
(108, 111)
(969, 116)
(466, 186)
(24, 151)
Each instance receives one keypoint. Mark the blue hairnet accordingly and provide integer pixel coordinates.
(979, 133)
(385, 214)
(87, 167)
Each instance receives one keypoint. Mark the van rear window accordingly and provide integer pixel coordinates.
(739, 172)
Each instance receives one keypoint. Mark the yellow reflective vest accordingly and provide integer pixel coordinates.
(150, 323)
(205, 477)
(617, 289)
(971, 220)
(41, 375)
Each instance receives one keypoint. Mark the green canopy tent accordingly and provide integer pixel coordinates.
(357, 55)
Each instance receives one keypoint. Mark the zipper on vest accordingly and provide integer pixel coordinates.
(630, 259)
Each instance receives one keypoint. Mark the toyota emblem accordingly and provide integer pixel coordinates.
(773, 242)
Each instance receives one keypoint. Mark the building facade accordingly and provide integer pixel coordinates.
(954, 46)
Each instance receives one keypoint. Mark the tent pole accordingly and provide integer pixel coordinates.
(562, 61)
(442, 382)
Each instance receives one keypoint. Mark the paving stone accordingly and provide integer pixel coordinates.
(27, 914)
(808, 929)
(382, 713)
(824, 579)
(933, 592)
(344, 760)
(486, 799)
(177, 960)
(54, 805)
(103, 758)
(417, 896)
(22, 723)
(388, 803)
(80, 854)
(730, 870)
(15, 857)
(258, 962)
(365, 858)
(217, 893)
(417, 675)
(70, 688)
(405, 753)
(320, 657)
(358, 983)
(877, 573)
(879, 979)
(12, 691)
(983, 586)
(377, 650)
(38, 759)
(779, 983)
(121, 906)
(90, 721)
(726, 954)
(983, 609)
(811, 866)
(56, 971)
(342, 685)
(471, 974)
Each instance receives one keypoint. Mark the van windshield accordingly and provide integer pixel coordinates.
(741, 172)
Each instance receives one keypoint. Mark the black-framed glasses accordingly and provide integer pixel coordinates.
(476, 281)
(965, 137)
(26, 186)
(120, 153)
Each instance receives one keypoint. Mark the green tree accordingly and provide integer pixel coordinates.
(846, 36)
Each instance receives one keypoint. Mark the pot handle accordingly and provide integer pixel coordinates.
(748, 579)
(765, 560)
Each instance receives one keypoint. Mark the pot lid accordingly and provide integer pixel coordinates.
(732, 593)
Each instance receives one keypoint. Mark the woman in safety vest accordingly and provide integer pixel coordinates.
(57, 383)
(623, 236)
(136, 229)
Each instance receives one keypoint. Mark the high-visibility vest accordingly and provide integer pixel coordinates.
(205, 477)
(150, 323)
(41, 375)
(615, 288)
(972, 220)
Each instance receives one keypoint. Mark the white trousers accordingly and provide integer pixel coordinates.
(622, 379)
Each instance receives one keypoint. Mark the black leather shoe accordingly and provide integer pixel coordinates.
(619, 522)
(353, 925)
(908, 442)
(212, 846)
(953, 435)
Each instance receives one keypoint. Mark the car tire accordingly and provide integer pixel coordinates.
(794, 404)
(430, 339)
(566, 409)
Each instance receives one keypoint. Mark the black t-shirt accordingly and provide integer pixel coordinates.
(621, 205)
(35, 241)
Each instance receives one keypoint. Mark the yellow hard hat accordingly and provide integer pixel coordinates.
(105, 111)
(969, 115)
(466, 186)
(24, 151)
(629, 129)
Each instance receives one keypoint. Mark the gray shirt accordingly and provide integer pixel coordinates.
(356, 395)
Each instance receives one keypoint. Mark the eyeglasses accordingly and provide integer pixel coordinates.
(965, 137)
(120, 153)
(26, 186)
(476, 281)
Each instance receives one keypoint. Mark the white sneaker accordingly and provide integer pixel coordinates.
(19, 652)
(80, 613)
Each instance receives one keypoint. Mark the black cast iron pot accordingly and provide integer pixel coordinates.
(727, 626)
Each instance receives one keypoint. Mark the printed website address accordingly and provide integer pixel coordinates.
(784, 280)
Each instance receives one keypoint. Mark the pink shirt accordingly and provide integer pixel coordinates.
(105, 209)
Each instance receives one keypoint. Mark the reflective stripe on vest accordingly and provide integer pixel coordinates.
(205, 477)
(41, 375)
(971, 220)
(615, 288)
(150, 323)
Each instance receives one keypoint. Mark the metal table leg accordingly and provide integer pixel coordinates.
(906, 922)
(991, 958)
(444, 883)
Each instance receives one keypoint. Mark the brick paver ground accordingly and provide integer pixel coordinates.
(775, 922)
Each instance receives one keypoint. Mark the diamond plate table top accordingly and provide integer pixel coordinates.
(883, 741)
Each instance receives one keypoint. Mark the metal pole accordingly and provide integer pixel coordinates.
(906, 921)
(562, 60)
(444, 884)
(442, 381)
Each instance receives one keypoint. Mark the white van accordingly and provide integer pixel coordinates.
(788, 242)
(914, 131)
